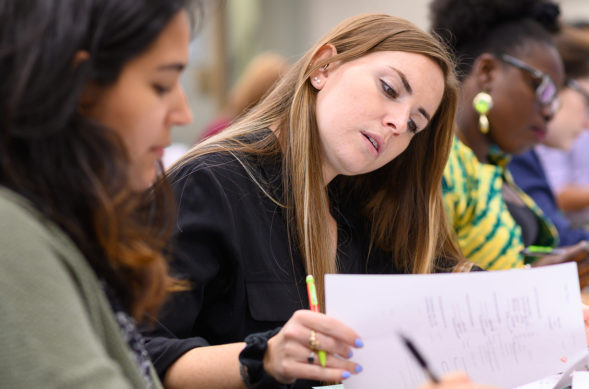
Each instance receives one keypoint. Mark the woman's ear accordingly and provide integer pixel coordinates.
(86, 98)
(321, 59)
(485, 70)
(79, 57)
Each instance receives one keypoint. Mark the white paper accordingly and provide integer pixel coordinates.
(504, 328)
(544, 383)
(329, 387)
(580, 380)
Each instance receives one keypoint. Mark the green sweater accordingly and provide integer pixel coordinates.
(57, 329)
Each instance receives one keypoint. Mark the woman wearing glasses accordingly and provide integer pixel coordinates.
(568, 124)
(510, 73)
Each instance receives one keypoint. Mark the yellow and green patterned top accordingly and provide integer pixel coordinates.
(488, 234)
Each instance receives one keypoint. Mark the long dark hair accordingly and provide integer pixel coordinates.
(74, 170)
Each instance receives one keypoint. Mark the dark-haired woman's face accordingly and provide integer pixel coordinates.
(518, 119)
(147, 100)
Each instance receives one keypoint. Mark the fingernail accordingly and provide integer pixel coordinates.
(358, 369)
(358, 343)
(350, 354)
(346, 375)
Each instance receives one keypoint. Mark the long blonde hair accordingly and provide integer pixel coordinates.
(401, 201)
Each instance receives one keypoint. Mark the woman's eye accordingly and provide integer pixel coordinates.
(388, 90)
(160, 89)
(412, 126)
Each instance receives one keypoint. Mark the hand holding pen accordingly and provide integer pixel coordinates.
(314, 306)
(312, 345)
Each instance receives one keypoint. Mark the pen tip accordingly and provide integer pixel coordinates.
(309, 278)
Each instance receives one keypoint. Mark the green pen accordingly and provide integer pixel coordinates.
(540, 251)
(313, 306)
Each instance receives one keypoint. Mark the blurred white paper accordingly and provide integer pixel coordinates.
(580, 380)
(544, 383)
(504, 328)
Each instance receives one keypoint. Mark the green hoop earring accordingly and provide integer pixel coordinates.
(482, 103)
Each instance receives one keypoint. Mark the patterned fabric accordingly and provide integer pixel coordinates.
(132, 336)
(488, 234)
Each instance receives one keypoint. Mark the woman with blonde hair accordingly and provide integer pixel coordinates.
(337, 170)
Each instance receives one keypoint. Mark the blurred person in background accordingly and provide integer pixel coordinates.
(256, 80)
(510, 74)
(568, 171)
(568, 124)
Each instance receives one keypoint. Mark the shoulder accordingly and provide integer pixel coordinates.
(34, 247)
(22, 226)
(527, 171)
(44, 280)
(462, 169)
(27, 234)
(226, 180)
(461, 161)
(225, 167)
(525, 161)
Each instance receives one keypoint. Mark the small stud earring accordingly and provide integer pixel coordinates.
(317, 80)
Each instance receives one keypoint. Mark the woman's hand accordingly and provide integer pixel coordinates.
(455, 381)
(290, 354)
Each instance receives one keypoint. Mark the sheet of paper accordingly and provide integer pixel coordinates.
(544, 383)
(505, 328)
(580, 380)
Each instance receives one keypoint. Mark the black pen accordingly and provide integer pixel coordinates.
(411, 347)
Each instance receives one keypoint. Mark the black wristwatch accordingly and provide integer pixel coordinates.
(251, 362)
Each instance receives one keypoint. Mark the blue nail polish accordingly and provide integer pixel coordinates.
(350, 354)
(358, 369)
(346, 375)
(358, 343)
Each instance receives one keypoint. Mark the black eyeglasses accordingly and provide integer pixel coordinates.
(546, 91)
(574, 85)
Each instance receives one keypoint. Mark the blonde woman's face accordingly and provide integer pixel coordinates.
(369, 109)
(572, 118)
(147, 100)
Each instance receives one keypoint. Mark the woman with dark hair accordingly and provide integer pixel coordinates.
(529, 169)
(337, 170)
(510, 74)
(88, 94)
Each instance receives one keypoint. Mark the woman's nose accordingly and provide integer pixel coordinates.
(397, 120)
(181, 113)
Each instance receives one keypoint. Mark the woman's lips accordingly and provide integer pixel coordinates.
(374, 140)
(159, 151)
(540, 133)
